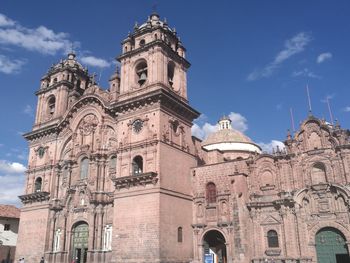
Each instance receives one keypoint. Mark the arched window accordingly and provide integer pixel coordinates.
(318, 173)
(211, 193)
(84, 168)
(38, 184)
(51, 105)
(266, 179)
(141, 72)
(179, 234)
(171, 70)
(137, 165)
(272, 238)
(113, 162)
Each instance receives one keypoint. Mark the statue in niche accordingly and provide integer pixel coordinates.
(200, 211)
(224, 208)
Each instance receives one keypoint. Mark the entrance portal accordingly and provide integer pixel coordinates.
(214, 247)
(331, 246)
(80, 237)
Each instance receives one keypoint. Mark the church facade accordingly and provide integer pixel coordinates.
(116, 176)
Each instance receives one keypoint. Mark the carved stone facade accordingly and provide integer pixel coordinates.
(279, 202)
(115, 175)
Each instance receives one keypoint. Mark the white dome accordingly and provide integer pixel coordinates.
(228, 139)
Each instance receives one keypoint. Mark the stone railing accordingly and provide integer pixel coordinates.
(135, 180)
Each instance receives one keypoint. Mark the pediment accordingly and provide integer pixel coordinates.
(270, 220)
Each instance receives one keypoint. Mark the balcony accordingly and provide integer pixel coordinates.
(135, 180)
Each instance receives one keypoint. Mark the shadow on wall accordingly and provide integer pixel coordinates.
(7, 254)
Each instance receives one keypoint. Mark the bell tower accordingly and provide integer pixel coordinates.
(153, 201)
(59, 88)
(153, 57)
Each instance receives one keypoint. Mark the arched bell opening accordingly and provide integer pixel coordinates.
(38, 184)
(137, 165)
(214, 247)
(331, 246)
(80, 237)
(141, 72)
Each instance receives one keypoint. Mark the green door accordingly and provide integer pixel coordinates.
(80, 243)
(331, 246)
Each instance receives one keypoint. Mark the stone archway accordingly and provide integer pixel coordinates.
(214, 245)
(80, 237)
(331, 246)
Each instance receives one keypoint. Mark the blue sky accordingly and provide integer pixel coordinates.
(250, 59)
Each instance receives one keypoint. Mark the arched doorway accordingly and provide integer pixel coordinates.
(214, 247)
(80, 237)
(331, 246)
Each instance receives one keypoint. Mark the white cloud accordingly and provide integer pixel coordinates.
(306, 73)
(10, 188)
(12, 181)
(5, 21)
(202, 131)
(95, 62)
(11, 167)
(271, 146)
(40, 39)
(9, 66)
(347, 109)
(28, 110)
(292, 47)
(323, 57)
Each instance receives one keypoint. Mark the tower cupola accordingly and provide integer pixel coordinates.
(225, 123)
(61, 85)
(153, 57)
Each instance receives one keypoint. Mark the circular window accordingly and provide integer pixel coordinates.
(142, 42)
(137, 125)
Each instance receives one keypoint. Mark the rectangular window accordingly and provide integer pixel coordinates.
(7, 227)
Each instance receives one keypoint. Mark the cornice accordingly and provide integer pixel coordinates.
(34, 197)
(166, 99)
(147, 46)
(55, 85)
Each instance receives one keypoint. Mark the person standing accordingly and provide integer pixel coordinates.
(42, 260)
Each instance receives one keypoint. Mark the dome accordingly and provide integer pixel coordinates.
(229, 139)
(154, 21)
(227, 135)
(69, 62)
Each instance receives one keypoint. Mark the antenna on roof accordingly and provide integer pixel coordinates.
(292, 119)
(308, 98)
(329, 109)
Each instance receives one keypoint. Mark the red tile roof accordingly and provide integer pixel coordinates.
(9, 211)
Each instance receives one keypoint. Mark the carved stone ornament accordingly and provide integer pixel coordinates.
(88, 124)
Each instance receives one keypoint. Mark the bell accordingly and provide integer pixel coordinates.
(142, 78)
